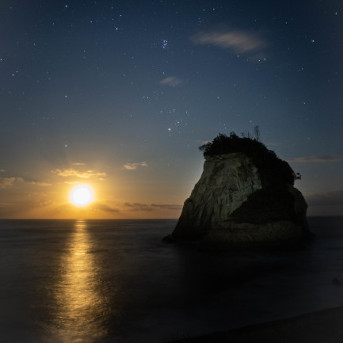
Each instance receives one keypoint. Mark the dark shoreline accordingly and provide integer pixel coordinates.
(320, 326)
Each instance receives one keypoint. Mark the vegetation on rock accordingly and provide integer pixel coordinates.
(273, 171)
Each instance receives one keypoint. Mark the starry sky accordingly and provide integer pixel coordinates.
(120, 94)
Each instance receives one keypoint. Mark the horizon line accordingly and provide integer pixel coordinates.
(78, 219)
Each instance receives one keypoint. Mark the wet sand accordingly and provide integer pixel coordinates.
(316, 327)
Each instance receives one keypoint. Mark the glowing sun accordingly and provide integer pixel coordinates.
(81, 195)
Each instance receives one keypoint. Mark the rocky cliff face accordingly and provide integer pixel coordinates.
(233, 204)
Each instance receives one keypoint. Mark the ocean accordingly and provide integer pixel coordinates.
(115, 281)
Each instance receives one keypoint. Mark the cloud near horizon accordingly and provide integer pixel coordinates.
(171, 81)
(316, 159)
(87, 174)
(137, 206)
(241, 42)
(167, 206)
(151, 207)
(102, 207)
(334, 198)
(135, 165)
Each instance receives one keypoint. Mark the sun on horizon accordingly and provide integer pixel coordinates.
(81, 195)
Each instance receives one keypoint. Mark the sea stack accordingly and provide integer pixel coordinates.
(245, 197)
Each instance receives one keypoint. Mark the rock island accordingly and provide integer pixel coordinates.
(245, 197)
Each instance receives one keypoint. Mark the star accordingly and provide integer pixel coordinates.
(164, 44)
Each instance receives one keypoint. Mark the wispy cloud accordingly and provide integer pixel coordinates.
(171, 81)
(167, 206)
(10, 181)
(104, 208)
(72, 182)
(39, 183)
(135, 165)
(316, 159)
(86, 174)
(151, 207)
(6, 182)
(137, 206)
(239, 41)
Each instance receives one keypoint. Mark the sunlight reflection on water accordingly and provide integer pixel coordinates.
(81, 309)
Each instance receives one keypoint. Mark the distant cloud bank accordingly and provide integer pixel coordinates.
(102, 207)
(167, 206)
(150, 207)
(316, 159)
(6, 182)
(137, 206)
(334, 198)
(10, 181)
(239, 41)
(134, 165)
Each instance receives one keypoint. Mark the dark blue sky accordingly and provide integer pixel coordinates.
(121, 94)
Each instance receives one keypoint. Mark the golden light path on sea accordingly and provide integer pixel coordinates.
(80, 306)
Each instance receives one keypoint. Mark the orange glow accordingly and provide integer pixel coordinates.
(81, 195)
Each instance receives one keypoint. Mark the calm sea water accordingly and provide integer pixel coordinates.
(115, 281)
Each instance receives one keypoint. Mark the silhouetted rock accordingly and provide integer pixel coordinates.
(245, 197)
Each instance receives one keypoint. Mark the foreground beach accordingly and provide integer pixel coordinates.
(322, 326)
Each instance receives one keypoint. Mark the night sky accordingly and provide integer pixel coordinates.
(120, 94)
